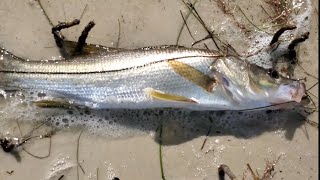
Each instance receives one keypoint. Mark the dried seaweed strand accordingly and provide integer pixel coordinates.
(119, 32)
(250, 21)
(186, 18)
(185, 23)
(45, 13)
(160, 153)
(77, 153)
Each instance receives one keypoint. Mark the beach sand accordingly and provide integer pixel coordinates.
(134, 152)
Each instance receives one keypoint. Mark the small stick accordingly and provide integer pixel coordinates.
(78, 142)
(265, 11)
(82, 39)
(40, 157)
(253, 174)
(27, 139)
(56, 31)
(305, 72)
(210, 35)
(84, 10)
(45, 13)
(61, 177)
(312, 123)
(188, 15)
(160, 153)
(312, 86)
(203, 39)
(10, 172)
(279, 33)
(197, 16)
(312, 95)
(205, 140)
(295, 42)
(224, 169)
(205, 46)
(250, 21)
(119, 32)
(97, 173)
(185, 23)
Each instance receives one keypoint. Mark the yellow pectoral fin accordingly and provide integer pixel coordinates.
(167, 97)
(53, 104)
(192, 74)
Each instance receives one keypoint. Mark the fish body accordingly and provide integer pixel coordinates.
(169, 77)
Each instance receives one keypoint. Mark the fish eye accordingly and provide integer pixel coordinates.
(273, 73)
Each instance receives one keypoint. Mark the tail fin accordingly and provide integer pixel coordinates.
(5, 58)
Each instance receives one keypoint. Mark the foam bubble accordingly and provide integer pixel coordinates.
(176, 122)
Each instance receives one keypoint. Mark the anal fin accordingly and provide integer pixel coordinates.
(53, 104)
(168, 97)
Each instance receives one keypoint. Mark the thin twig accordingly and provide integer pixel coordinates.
(10, 172)
(313, 95)
(185, 22)
(205, 46)
(205, 140)
(251, 22)
(39, 157)
(45, 13)
(252, 173)
(78, 142)
(305, 72)
(309, 97)
(25, 138)
(186, 18)
(197, 16)
(312, 123)
(64, 13)
(119, 31)
(312, 86)
(61, 177)
(160, 153)
(84, 10)
(203, 39)
(265, 11)
(224, 169)
(210, 35)
(97, 173)
(29, 133)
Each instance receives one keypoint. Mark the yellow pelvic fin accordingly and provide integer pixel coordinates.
(53, 104)
(167, 97)
(192, 74)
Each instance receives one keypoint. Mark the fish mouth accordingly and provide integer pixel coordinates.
(294, 91)
(299, 93)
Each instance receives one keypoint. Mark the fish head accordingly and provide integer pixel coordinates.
(247, 82)
(275, 88)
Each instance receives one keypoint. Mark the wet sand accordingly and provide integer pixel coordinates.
(26, 32)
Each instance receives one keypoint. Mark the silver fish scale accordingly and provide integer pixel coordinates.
(124, 88)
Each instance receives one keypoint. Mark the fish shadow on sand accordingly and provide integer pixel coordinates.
(179, 126)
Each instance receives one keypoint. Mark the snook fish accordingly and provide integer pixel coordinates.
(159, 77)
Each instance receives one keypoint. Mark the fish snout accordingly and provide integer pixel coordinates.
(298, 91)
